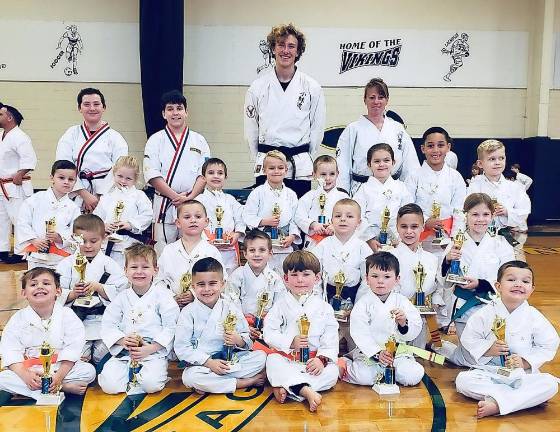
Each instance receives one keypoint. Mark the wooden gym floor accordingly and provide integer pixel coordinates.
(432, 405)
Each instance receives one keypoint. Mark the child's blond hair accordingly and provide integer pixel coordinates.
(324, 159)
(127, 162)
(488, 146)
(275, 154)
(140, 250)
(350, 202)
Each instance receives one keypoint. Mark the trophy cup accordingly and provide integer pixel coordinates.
(499, 330)
(262, 303)
(185, 282)
(117, 214)
(423, 304)
(219, 231)
(455, 274)
(419, 278)
(274, 231)
(46, 353)
(229, 326)
(322, 219)
(436, 214)
(133, 370)
(50, 228)
(88, 301)
(336, 302)
(384, 233)
(303, 325)
(388, 386)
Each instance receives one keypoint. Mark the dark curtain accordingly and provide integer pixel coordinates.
(161, 55)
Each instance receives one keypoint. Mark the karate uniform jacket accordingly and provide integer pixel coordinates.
(408, 260)
(16, 153)
(308, 209)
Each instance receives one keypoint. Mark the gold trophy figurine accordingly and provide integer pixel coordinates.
(419, 278)
(50, 228)
(228, 351)
(262, 303)
(499, 330)
(455, 274)
(336, 302)
(424, 306)
(117, 214)
(303, 325)
(185, 282)
(275, 234)
(322, 202)
(436, 214)
(384, 232)
(219, 231)
(46, 352)
(133, 370)
(386, 385)
(492, 228)
(80, 264)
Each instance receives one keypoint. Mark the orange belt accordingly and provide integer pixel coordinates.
(318, 237)
(212, 236)
(35, 361)
(3, 181)
(259, 346)
(447, 225)
(52, 250)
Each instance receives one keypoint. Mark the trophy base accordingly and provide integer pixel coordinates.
(221, 242)
(426, 310)
(40, 256)
(115, 238)
(277, 242)
(440, 241)
(134, 390)
(53, 399)
(386, 389)
(456, 279)
(341, 316)
(504, 371)
(234, 367)
(87, 302)
(385, 248)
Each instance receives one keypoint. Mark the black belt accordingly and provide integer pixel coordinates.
(347, 291)
(360, 178)
(506, 233)
(289, 152)
(92, 175)
(142, 238)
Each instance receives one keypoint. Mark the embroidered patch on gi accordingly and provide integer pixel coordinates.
(250, 111)
(258, 168)
(194, 149)
(301, 99)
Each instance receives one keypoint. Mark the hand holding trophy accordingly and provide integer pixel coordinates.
(455, 274)
(275, 234)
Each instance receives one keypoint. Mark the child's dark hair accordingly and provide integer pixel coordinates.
(410, 208)
(384, 261)
(437, 129)
(206, 265)
(89, 222)
(380, 146)
(255, 234)
(90, 91)
(301, 260)
(173, 97)
(513, 264)
(63, 164)
(213, 161)
(34, 272)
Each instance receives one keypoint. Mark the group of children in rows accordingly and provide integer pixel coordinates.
(178, 303)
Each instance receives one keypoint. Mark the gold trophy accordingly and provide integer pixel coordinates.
(117, 214)
(50, 228)
(88, 301)
(133, 369)
(436, 214)
(499, 330)
(303, 325)
(492, 228)
(219, 231)
(185, 282)
(423, 304)
(455, 274)
(384, 232)
(275, 234)
(336, 302)
(46, 353)
(322, 202)
(228, 351)
(386, 385)
(262, 303)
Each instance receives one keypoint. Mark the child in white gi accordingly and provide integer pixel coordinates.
(381, 192)
(173, 160)
(314, 209)
(44, 320)
(289, 374)
(255, 278)
(521, 178)
(409, 252)
(139, 325)
(104, 279)
(260, 205)
(46, 245)
(201, 337)
(480, 257)
(214, 171)
(126, 211)
(530, 341)
(380, 314)
(511, 202)
(177, 258)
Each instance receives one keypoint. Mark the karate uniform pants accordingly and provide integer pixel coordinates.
(8, 216)
(152, 377)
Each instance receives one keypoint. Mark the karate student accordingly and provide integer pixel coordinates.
(372, 128)
(409, 252)
(93, 146)
(480, 257)
(173, 160)
(285, 110)
(47, 249)
(136, 215)
(104, 278)
(288, 376)
(531, 340)
(379, 314)
(524, 179)
(214, 171)
(258, 211)
(308, 207)
(17, 159)
(200, 337)
(381, 191)
(144, 312)
(513, 204)
(43, 320)
(177, 258)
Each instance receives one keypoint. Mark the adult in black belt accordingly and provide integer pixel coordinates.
(373, 128)
(285, 110)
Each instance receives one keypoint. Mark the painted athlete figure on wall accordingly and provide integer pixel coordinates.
(458, 50)
(73, 47)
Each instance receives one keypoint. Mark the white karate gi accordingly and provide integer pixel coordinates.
(259, 205)
(34, 212)
(524, 180)
(373, 197)
(179, 163)
(200, 335)
(280, 328)
(528, 334)
(106, 147)
(250, 286)
(16, 153)
(371, 325)
(138, 212)
(232, 221)
(117, 282)
(308, 210)
(175, 261)
(153, 316)
(23, 336)
(290, 118)
(451, 159)
(357, 139)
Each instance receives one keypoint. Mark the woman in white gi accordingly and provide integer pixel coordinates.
(370, 129)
